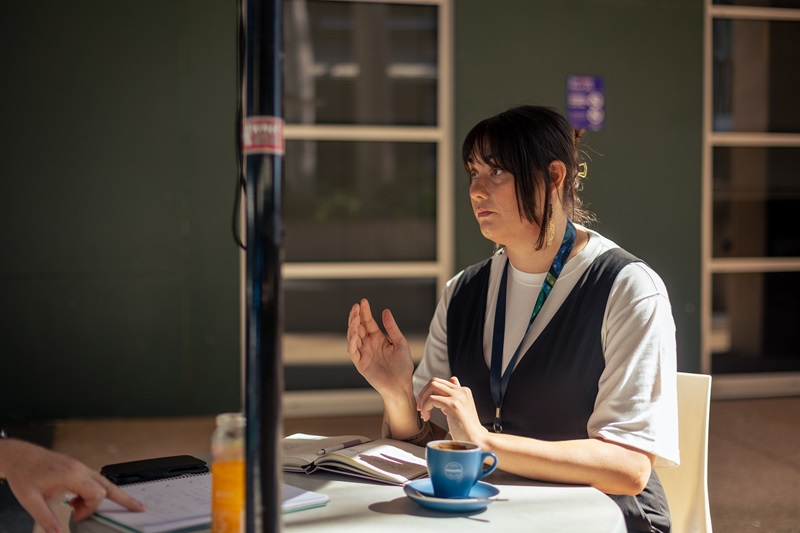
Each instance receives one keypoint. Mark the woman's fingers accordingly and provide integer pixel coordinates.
(449, 405)
(35, 504)
(361, 326)
(353, 347)
(436, 387)
(116, 494)
(456, 403)
(369, 324)
(353, 332)
(356, 332)
(392, 329)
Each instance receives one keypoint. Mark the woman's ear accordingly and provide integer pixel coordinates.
(558, 171)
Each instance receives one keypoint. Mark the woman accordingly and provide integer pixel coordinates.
(558, 352)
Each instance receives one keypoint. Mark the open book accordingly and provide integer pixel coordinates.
(181, 504)
(385, 460)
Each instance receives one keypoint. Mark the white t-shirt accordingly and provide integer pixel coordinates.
(637, 399)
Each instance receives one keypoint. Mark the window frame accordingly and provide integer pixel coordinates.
(752, 384)
(441, 134)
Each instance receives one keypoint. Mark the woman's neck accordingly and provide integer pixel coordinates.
(526, 258)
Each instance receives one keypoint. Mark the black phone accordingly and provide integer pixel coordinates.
(152, 469)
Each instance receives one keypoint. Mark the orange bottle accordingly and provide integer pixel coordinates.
(228, 474)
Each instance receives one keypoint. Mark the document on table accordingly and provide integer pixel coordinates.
(184, 504)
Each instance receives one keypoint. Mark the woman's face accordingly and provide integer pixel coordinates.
(494, 202)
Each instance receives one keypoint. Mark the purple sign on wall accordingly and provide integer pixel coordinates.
(586, 102)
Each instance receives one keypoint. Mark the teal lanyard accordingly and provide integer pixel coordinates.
(499, 383)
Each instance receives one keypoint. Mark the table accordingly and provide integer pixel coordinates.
(362, 506)
(358, 506)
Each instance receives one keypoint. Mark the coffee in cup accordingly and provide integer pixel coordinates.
(455, 466)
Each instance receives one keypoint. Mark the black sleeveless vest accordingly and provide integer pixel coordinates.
(552, 391)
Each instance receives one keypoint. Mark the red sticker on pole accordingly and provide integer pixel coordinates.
(262, 135)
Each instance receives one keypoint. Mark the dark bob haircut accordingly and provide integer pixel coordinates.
(523, 141)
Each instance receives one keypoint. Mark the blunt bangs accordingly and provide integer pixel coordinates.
(492, 142)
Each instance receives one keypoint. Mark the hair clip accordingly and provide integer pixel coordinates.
(582, 173)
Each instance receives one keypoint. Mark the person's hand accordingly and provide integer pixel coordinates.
(384, 360)
(37, 475)
(456, 403)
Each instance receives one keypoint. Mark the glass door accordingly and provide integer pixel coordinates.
(751, 247)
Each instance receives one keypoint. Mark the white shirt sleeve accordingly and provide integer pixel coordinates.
(637, 399)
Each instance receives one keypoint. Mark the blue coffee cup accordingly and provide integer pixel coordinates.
(454, 467)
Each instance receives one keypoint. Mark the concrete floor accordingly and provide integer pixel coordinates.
(754, 454)
(754, 465)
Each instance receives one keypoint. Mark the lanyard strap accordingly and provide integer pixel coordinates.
(499, 383)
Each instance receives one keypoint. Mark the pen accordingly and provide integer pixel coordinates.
(348, 444)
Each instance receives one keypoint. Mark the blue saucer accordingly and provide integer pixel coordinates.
(474, 502)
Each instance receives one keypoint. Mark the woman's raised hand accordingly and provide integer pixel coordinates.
(383, 359)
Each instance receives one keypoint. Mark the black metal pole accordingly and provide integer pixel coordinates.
(262, 148)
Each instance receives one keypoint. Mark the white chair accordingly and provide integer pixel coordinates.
(686, 486)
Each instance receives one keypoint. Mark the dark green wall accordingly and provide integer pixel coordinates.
(645, 169)
(118, 273)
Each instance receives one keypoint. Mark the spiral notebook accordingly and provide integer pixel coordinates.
(173, 504)
(182, 504)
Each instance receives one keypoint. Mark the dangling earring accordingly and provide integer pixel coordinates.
(585, 171)
(550, 231)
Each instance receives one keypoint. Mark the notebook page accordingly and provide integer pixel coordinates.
(171, 504)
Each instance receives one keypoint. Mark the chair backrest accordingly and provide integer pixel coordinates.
(687, 485)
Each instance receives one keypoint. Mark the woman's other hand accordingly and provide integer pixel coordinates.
(456, 403)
